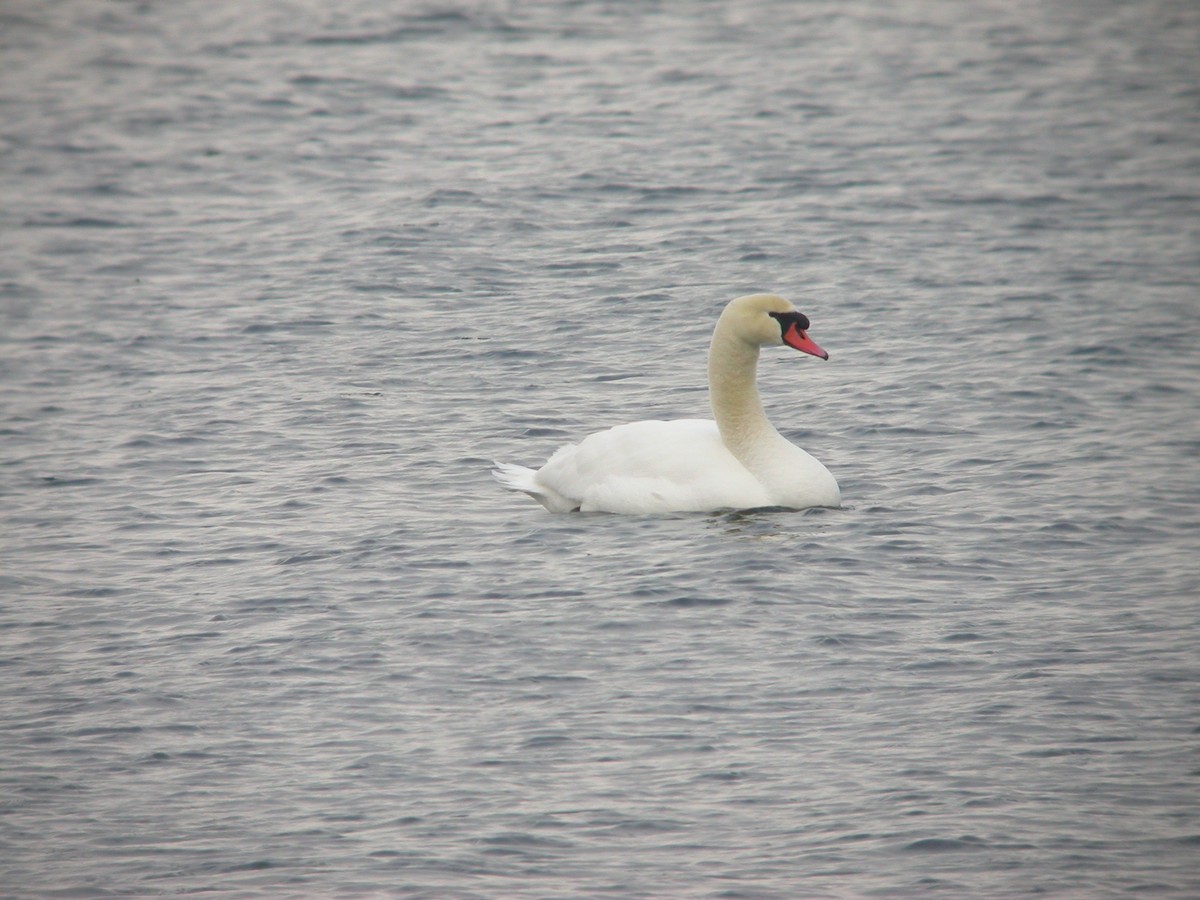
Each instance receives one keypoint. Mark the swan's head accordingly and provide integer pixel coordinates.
(769, 320)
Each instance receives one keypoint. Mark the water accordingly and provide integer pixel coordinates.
(278, 282)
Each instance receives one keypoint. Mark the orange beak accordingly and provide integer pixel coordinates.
(794, 337)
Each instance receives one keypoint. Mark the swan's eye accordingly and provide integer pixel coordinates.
(785, 319)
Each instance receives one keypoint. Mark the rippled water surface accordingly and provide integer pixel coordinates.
(279, 280)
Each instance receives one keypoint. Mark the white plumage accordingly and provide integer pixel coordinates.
(738, 461)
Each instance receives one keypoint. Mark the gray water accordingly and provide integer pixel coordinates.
(278, 281)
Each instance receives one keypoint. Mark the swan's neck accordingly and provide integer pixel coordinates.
(732, 388)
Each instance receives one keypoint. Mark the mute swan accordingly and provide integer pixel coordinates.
(695, 465)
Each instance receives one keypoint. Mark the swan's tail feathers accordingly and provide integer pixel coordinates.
(520, 478)
(516, 478)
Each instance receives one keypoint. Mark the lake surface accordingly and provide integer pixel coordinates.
(279, 281)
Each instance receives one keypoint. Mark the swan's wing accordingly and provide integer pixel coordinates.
(649, 467)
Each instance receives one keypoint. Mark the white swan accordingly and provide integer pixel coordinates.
(695, 465)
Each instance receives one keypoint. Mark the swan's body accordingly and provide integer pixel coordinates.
(738, 461)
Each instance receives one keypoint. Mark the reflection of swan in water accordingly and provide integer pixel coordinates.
(738, 461)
